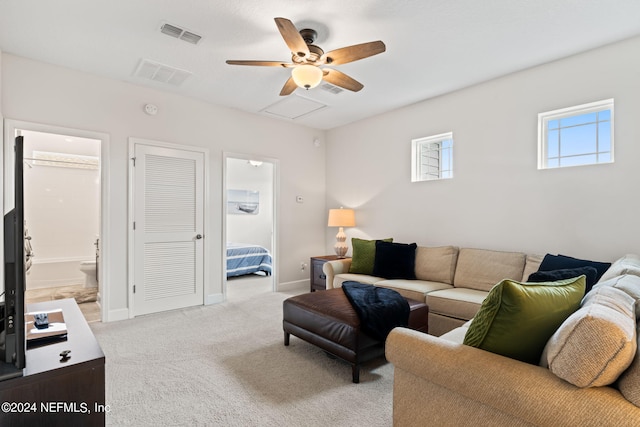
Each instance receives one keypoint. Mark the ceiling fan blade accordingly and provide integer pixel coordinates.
(292, 37)
(288, 87)
(259, 63)
(339, 78)
(353, 53)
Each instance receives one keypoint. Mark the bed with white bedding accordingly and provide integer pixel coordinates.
(245, 258)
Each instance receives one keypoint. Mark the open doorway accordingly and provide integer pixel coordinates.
(63, 214)
(249, 218)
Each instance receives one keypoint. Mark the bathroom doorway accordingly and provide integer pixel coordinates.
(250, 194)
(63, 215)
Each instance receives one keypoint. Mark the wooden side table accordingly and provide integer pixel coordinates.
(317, 277)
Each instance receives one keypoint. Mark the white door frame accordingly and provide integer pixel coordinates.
(130, 212)
(10, 127)
(274, 229)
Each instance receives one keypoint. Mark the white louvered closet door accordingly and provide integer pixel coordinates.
(168, 236)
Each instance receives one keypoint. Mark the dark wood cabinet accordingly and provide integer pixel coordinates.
(53, 391)
(318, 279)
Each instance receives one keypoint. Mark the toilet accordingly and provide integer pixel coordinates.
(89, 269)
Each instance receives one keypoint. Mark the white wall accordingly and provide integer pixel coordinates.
(42, 93)
(254, 229)
(62, 209)
(62, 204)
(497, 198)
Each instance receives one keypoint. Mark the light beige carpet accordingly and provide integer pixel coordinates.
(226, 365)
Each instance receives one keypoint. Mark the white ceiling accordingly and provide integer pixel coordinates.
(433, 46)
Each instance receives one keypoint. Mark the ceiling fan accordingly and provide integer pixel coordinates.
(306, 59)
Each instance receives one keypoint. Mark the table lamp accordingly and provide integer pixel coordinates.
(341, 218)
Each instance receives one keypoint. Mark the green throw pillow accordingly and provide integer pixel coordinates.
(517, 319)
(363, 255)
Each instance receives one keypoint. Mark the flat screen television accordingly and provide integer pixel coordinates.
(12, 326)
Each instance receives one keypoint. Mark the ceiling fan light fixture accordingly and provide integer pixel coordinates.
(306, 76)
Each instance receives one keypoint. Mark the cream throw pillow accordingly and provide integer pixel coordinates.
(628, 264)
(628, 283)
(596, 343)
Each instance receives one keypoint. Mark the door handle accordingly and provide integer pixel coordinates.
(198, 236)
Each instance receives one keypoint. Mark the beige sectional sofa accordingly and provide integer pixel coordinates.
(452, 281)
(589, 373)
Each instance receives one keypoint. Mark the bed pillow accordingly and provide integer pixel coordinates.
(559, 262)
(517, 319)
(395, 260)
(566, 273)
(363, 255)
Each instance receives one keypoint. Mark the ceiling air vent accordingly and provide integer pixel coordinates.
(180, 33)
(161, 73)
(331, 88)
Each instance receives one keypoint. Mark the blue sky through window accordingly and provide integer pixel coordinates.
(579, 139)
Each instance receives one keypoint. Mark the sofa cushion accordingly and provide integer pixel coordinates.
(457, 335)
(363, 255)
(557, 262)
(597, 342)
(413, 289)
(436, 264)
(565, 273)
(516, 319)
(481, 269)
(339, 279)
(628, 264)
(629, 381)
(531, 265)
(395, 260)
(461, 303)
(440, 324)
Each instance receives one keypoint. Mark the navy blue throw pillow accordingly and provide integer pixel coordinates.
(395, 260)
(566, 273)
(560, 262)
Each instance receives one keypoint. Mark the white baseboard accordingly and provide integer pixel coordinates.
(213, 299)
(119, 314)
(294, 286)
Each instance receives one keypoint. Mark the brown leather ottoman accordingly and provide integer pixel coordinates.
(327, 320)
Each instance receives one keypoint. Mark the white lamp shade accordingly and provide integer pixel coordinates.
(342, 218)
(307, 76)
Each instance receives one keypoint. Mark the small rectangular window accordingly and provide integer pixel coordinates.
(575, 136)
(432, 157)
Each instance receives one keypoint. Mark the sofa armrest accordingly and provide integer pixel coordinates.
(331, 268)
(446, 383)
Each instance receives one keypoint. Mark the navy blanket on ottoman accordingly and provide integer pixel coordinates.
(379, 309)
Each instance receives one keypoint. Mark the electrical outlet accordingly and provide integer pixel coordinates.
(303, 266)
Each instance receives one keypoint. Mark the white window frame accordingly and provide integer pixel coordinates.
(578, 110)
(417, 146)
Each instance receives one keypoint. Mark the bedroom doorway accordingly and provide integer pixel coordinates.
(249, 225)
